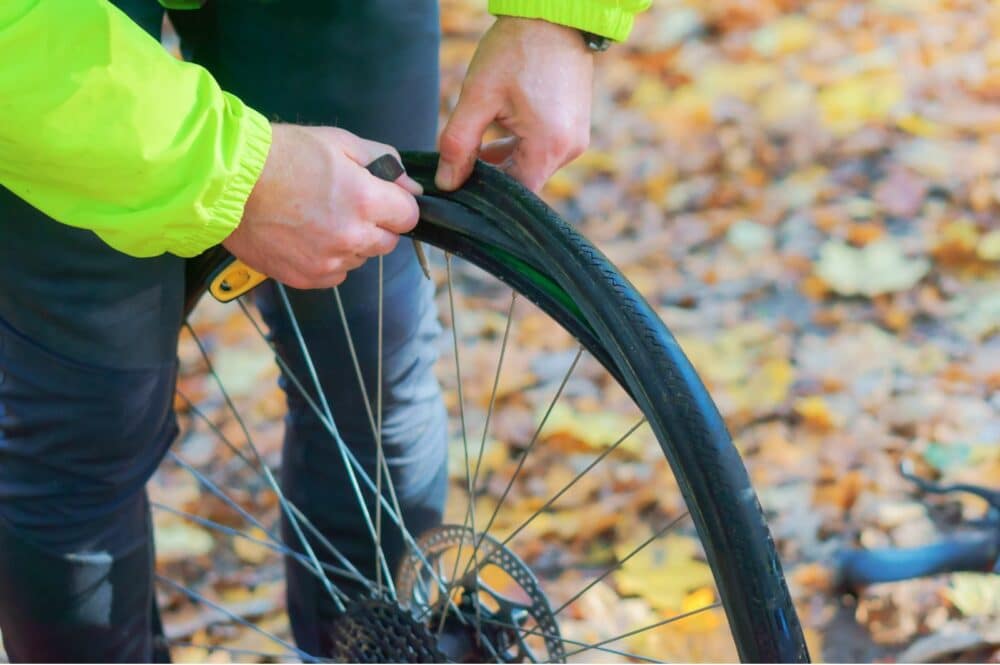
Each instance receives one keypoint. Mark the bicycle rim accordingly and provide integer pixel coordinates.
(495, 225)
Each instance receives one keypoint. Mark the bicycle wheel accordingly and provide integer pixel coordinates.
(468, 590)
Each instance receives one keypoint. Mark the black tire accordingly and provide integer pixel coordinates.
(513, 235)
(499, 226)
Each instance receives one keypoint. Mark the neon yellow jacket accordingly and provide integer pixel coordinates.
(101, 129)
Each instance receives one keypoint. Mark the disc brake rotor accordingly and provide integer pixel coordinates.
(506, 624)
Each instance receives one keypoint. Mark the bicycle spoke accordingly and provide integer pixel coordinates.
(530, 447)
(316, 566)
(265, 470)
(299, 515)
(194, 595)
(307, 357)
(566, 640)
(379, 456)
(565, 488)
(366, 400)
(332, 430)
(470, 514)
(235, 651)
(496, 384)
(574, 480)
(621, 562)
(673, 619)
(273, 545)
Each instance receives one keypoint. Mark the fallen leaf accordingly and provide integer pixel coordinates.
(251, 552)
(975, 594)
(849, 104)
(664, 572)
(176, 541)
(877, 268)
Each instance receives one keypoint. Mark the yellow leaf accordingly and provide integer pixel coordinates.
(742, 80)
(704, 621)
(975, 594)
(664, 572)
(768, 386)
(957, 242)
(786, 101)
(988, 248)
(786, 35)
(878, 267)
(849, 104)
(561, 186)
(176, 541)
(600, 161)
(596, 430)
(920, 126)
(249, 551)
(816, 413)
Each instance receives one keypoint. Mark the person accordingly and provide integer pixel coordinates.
(118, 162)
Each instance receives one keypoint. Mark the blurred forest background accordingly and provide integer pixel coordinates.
(807, 192)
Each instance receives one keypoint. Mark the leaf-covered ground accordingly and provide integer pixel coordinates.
(807, 194)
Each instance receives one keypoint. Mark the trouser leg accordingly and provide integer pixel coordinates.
(371, 68)
(81, 430)
(80, 606)
(87, 365)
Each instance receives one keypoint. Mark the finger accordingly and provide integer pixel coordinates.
(379, 242)
(355, 261)
(460, 140)
(410, 185)
(333, 279)
(388, 206)
(499, 151)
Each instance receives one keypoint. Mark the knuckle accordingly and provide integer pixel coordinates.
(365, 203)
(411, 218)
(561, 140)
(355, 239)
(332, 266)
(452, 143)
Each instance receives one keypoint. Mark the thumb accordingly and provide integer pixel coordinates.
(460, 140)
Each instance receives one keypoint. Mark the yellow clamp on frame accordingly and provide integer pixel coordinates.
(235, 278)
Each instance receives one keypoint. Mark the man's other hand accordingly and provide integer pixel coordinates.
(535, 80)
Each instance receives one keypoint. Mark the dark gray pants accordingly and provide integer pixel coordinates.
(88, 341)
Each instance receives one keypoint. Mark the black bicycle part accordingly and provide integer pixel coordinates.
(498, 225)
(972, 550)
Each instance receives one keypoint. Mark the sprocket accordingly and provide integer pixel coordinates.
(373, 630)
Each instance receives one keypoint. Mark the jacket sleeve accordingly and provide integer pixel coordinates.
(608, 18)
(102, 129)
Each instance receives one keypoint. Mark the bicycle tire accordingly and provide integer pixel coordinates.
(501, 227)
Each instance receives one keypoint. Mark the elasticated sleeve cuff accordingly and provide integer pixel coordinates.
(609, 18)
(224, 216)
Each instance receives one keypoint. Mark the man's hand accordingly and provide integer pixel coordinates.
(534, 79)
(316, 213)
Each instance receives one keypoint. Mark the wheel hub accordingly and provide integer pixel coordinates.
(480, 623)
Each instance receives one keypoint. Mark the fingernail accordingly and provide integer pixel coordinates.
(415, 188)
(445, 175)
